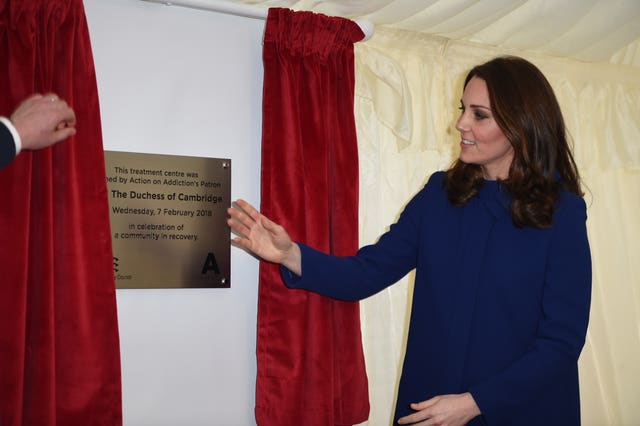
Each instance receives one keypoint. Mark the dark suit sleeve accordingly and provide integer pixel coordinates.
(7, 146)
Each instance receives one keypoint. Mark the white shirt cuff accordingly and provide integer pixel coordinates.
(14, 133)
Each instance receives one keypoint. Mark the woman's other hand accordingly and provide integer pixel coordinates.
(443, 410)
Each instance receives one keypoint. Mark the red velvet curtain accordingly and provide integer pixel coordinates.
(59, 348)
(310, 359)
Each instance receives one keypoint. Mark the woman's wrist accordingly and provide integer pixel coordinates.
(473, 408)
(293, 259)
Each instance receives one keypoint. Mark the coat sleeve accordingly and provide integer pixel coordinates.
(7, 144)
(564, 318)
(374, 267)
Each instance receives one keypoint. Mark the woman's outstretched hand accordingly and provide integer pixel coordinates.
(262, 237)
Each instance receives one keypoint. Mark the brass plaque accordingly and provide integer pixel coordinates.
(168, 220)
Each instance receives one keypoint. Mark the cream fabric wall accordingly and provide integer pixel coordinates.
(408, 87)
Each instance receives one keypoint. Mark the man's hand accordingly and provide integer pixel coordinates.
(42, 121)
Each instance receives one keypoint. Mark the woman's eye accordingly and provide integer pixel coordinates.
(479, 116)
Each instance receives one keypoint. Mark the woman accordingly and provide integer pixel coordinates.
(503, 269)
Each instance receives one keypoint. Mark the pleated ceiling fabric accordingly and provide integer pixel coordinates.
(586, 30)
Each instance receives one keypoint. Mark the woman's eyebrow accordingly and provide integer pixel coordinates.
(480, 106)
(476, 106)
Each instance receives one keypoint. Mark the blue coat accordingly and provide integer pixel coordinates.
(498, 311)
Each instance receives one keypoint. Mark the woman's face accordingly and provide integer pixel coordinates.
(483, 142)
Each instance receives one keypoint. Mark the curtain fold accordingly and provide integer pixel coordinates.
(59, 347)
(309, 350)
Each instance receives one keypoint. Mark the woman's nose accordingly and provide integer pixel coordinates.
(462, 124)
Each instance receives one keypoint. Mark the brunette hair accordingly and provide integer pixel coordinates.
(527, 111)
